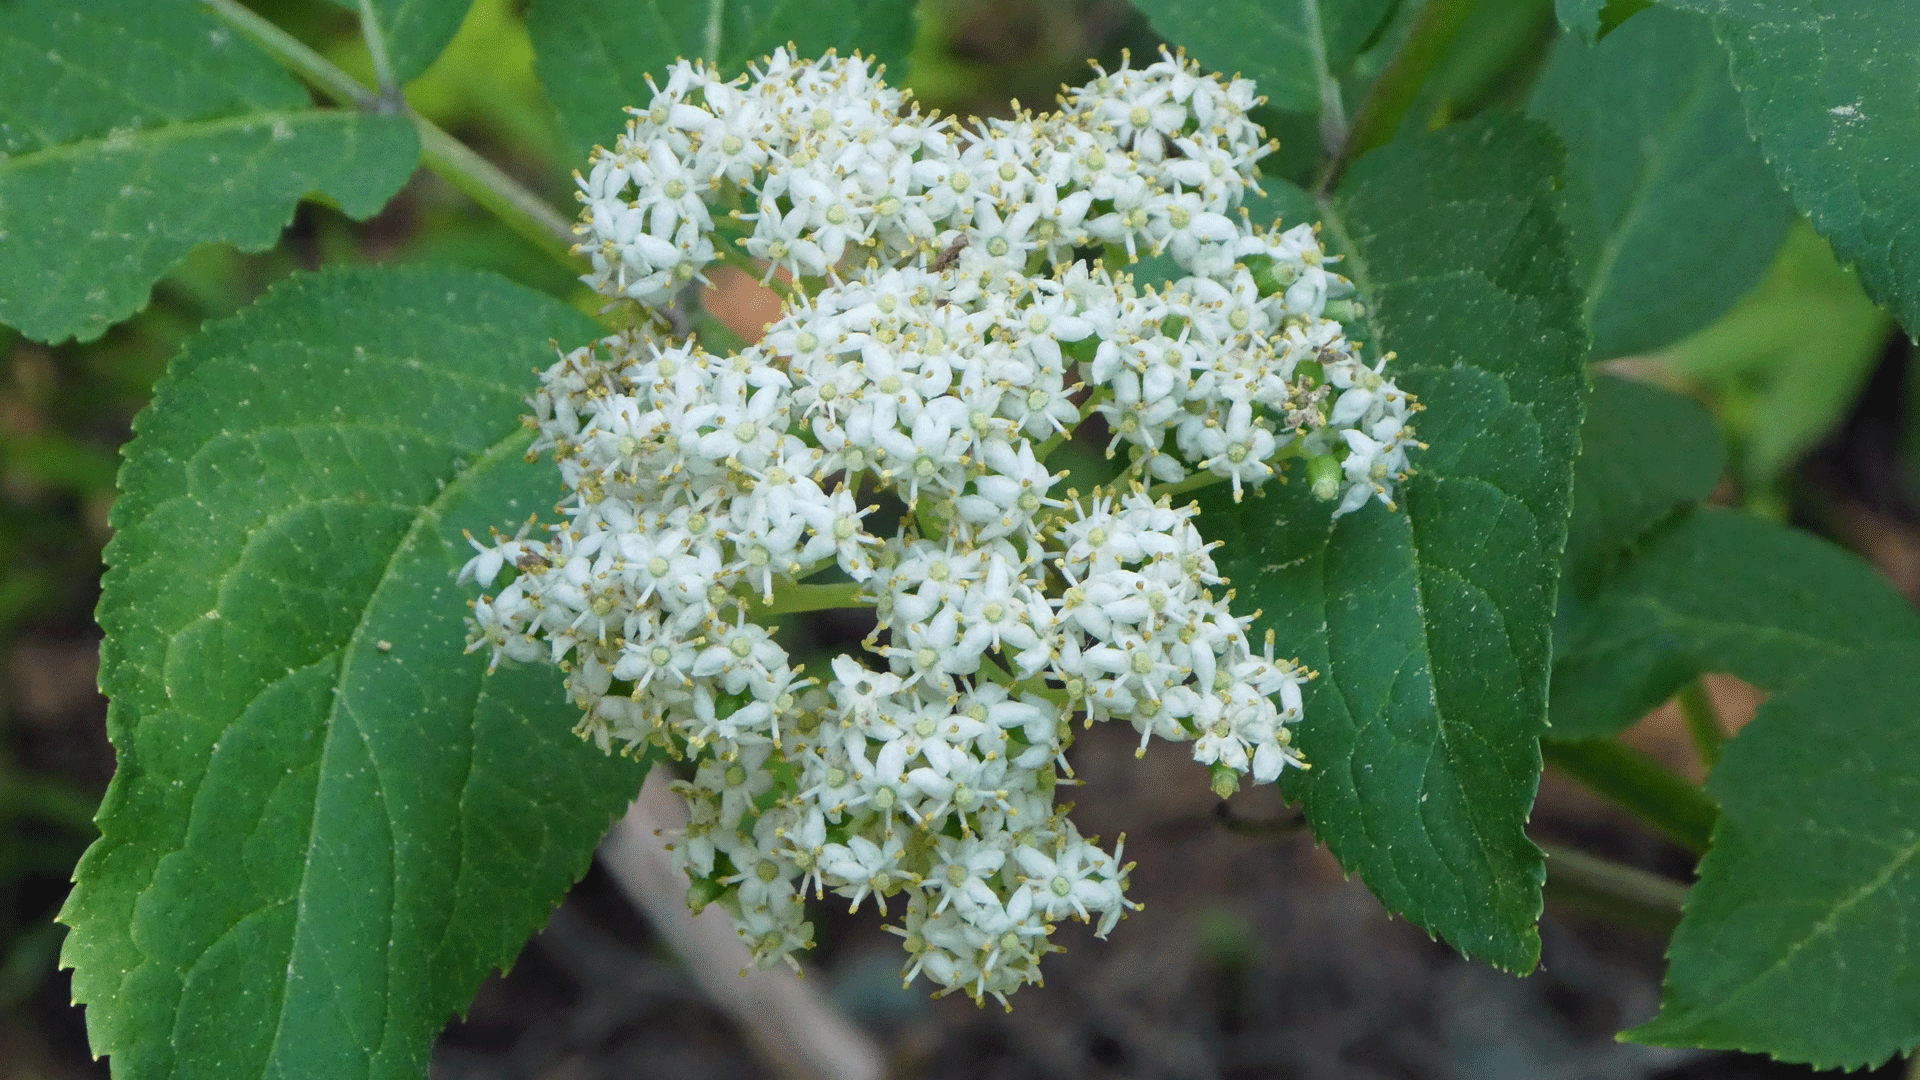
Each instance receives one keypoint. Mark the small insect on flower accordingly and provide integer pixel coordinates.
(951, 255)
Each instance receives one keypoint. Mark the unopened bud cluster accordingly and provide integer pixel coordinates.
(947, 334)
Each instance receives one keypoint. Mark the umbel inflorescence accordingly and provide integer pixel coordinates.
(949, 327)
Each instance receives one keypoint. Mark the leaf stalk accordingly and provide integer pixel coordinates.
(1628, 891)
(1640, 785)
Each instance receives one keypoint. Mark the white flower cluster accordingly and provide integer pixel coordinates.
(958, 338)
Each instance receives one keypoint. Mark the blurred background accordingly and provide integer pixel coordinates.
(1254, 957)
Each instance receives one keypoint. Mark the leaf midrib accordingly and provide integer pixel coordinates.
(432, 511)
(152, 137)
(1825, 927)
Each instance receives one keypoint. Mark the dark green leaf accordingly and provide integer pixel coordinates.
(595, 55)
(1718, 591)
(132, 131)
(1829, 89)
(327, 823)
(1798, 940)
(1294, 49)
(1644, 453)
(1429, 625)
(1672, 212)
(415, 31)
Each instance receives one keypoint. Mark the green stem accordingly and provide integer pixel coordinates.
(293, 53)
(391, 96)
(1398, 87)
(1703, 722)
(1640, 785)
(791, 598)
(1193, 482)
(506, 198)
(1627, 894)
(509, 200)
(1618, 880)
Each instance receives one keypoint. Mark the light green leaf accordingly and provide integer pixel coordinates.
(1790, 359)
(1429, 624)
(132, 131)
(1593, 20)
(1718, 591)
(328, 822)
(1672, 212)
(415, 31)
(1581, 17)
(595, 55)
(1645, 452)
(1294, 49)
(1829, 90)
(1798, 940)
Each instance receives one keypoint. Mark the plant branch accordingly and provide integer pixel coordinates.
(1703, 722)
(1398, 87)
(797, 1030)
(1640, 785)
(506, 198)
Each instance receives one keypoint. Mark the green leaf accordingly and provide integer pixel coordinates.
(1581, 17)
(1672, 212)
(1717, 590)
(1295, 49)
(1429, 625)
(1798, 939)
(132, 131)
(594, 56)
(1829, 90)
(1780, 389)
(1593, 20)
(328, 822)
(415, 31)
(1645, 452)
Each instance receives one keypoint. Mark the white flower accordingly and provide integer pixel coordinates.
(942, 339)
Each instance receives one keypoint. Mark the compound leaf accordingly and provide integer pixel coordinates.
(130, 132)
(1798, 939)
(594, 56)
(1672, 212)
(1429, 625)
(1829, 89)
(1295, 49)
(327, 823)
